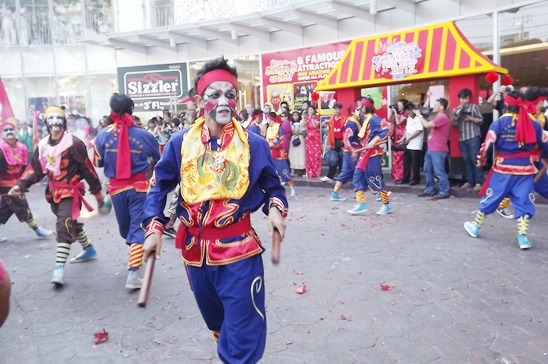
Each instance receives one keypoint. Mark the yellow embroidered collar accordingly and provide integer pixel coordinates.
(273, 132)
(208, 174)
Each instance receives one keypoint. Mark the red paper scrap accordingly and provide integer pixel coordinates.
(100, 337)
(343, 317)
(301, 289)
(386, 287)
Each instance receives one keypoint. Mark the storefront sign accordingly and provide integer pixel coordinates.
(292, 76)
(397, 60)
(153, 87)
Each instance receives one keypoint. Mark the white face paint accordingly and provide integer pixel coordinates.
(220, 101)
(8, 133)
(55, 121)
(356, 112)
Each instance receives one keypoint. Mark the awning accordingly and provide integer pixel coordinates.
(430, 52)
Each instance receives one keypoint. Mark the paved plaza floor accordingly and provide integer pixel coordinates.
(454, 299)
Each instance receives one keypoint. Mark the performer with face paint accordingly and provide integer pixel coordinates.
(368, 172)
(351, 141)
(64, 160)
(274, 137)
(125, 151)
(13, 160)
(225, 174)
(518, 141)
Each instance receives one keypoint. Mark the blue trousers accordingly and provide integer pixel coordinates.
(347, 171)
(282, 168)
(469, 149)
(231, 299)
(520, 189)
(372, 176)
(129, 207)
(541, 186)
(434, 166)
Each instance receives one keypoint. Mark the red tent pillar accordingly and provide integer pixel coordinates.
(347, 97)
(455, 85)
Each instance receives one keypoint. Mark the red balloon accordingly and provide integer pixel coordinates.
(315, 96)
(335, 95)
(492, 77)
(507, 80)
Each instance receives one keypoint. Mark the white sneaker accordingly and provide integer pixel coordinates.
(326, 179)
(293, 192)
(133, 280)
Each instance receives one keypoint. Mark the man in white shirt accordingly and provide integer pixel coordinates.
(413, 139)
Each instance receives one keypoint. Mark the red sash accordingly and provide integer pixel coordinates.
(238, 228)
(136, 180)
(523, 154)
(77, 197)
(362, 164)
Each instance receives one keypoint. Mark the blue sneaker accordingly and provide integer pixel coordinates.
(377, 196)
(360, 208)
(86, 254)
(3, 239)
(42, 233)
(471, 229)
(385, 210)
(524, 243)
(336, 197)
(58, 275)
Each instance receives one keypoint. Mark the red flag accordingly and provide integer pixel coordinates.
(35, 138)
(7, 111)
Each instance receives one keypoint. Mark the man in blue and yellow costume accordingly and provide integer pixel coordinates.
(225, 174)
(517, 140)
(351, 141)
(125, 151)
(274, 137)
(535, 97)
(63, 158)
(374, 132)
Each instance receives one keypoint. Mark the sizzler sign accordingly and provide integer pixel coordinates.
(156, 84)
(154, 87)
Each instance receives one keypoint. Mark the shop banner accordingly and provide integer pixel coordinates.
(152, 88)
(292, 76)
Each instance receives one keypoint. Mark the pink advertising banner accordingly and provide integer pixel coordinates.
(292, 76)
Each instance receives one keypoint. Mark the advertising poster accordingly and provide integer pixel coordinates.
(152, 88)
(292, 76)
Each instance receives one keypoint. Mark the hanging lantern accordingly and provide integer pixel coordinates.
(507, 80)
(315, 96)
(492, 77)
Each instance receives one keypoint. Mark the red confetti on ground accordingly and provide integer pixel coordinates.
(108, 230)
(373, 225)
(386, 287)
(298, 273)
(504, 301)
(301, 289)
(100, 337)
(502, 284)
(343, 317)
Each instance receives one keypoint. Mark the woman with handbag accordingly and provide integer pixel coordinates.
(296, 147)
(313, 144)
(398, 118)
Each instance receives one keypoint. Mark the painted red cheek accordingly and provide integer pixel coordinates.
(232, 104)
(210, 105)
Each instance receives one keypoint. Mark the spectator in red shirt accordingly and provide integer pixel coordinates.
(335, 138)
(434, 160)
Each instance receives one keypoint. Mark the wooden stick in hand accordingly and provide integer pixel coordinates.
(276, 241)
(147, 280)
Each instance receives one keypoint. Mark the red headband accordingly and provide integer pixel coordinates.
(6, 123)
(367, 103)
(525, 131)
(274, 118)
(215, 75)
